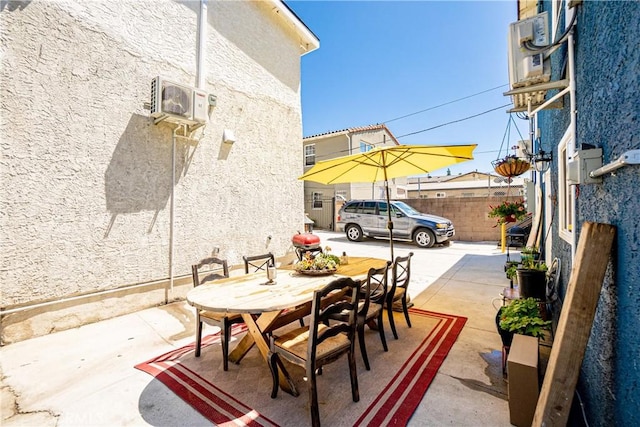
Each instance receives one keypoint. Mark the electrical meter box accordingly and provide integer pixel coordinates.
(583, 162)
(528, 67)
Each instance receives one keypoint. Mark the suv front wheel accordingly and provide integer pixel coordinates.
(354, 233)
(424, 238)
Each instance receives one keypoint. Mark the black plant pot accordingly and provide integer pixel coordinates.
(506, 336)
(532, 283)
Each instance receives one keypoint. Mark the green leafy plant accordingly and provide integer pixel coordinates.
(508, 210)
(511, 271)
(522, 316)
(532, 264)
(530, 250)
(321, 261)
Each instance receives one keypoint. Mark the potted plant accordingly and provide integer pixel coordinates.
(508, 211)
(529, 253)
(511, 271)
(510, 166)
(532, 279)
(521, 316)
(319, 264)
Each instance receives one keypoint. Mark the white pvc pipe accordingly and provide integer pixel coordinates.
(572, 106)
(172, 211)
(202, 34)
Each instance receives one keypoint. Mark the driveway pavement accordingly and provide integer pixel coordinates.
(85, 376)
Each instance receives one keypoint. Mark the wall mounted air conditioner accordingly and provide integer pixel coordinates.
(177, 103)
(528, 68)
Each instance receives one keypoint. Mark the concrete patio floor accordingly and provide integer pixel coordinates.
(85, 376)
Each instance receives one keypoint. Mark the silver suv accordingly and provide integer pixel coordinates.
(360, 218)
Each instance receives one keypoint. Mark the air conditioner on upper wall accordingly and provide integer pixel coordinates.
(177, 103)
(528, 68)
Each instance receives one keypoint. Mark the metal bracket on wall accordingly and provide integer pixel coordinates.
(188, 128)
(631, 157)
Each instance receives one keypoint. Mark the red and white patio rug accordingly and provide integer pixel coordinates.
(389, 392)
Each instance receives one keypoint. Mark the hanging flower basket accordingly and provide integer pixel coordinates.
(510, 218)
(511, 166)
(507, 212)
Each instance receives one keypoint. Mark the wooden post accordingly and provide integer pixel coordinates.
(574, 326)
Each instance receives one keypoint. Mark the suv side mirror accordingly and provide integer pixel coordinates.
(399, 214)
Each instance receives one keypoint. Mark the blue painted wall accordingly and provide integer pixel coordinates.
(607, 44)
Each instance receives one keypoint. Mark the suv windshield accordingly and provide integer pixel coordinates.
(406, 208)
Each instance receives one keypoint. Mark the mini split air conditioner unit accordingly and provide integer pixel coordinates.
(177, 103)
(528, 68)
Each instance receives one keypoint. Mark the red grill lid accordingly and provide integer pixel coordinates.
(306, 241)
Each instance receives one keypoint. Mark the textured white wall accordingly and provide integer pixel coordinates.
(86, 175)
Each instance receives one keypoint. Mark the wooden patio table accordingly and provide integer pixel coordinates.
(265, 308)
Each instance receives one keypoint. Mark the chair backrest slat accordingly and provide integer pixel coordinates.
(375, 287)
(215, 268)
(321, 311)
(401, 273)
(302, 251)
(258, 262)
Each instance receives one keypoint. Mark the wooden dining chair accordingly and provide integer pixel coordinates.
(318, 344)
(401, 274)
(213, 269)
(373, 294)
(256, 263)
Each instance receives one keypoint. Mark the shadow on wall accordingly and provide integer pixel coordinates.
(12, 5)
(138, 177)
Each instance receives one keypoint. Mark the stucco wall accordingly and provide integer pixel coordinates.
(607, 81)
(86, 175)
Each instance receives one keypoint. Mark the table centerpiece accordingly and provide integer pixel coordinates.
(320, 264)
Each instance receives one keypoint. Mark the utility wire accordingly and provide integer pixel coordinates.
(340, 152)
(446, 103)
(454, 121)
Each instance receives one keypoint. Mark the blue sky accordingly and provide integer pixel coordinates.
(381, 60)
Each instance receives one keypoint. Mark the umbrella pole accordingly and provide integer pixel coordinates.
(390, 222)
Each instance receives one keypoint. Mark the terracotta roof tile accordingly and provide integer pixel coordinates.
(355, 130)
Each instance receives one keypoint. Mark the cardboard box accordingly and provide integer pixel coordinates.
(522, 368)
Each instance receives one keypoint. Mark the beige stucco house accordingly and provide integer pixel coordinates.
(104, 208)
(322, 201)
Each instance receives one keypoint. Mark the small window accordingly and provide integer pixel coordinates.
(369, 208)
(317, 200)
(365, 146)
(565, 199)
(382, 208)
(352, 207)
(310, 155)
(441, 195)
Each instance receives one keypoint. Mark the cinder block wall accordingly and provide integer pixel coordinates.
(468, 214)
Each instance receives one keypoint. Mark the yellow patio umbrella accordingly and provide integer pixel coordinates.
(384, 163)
